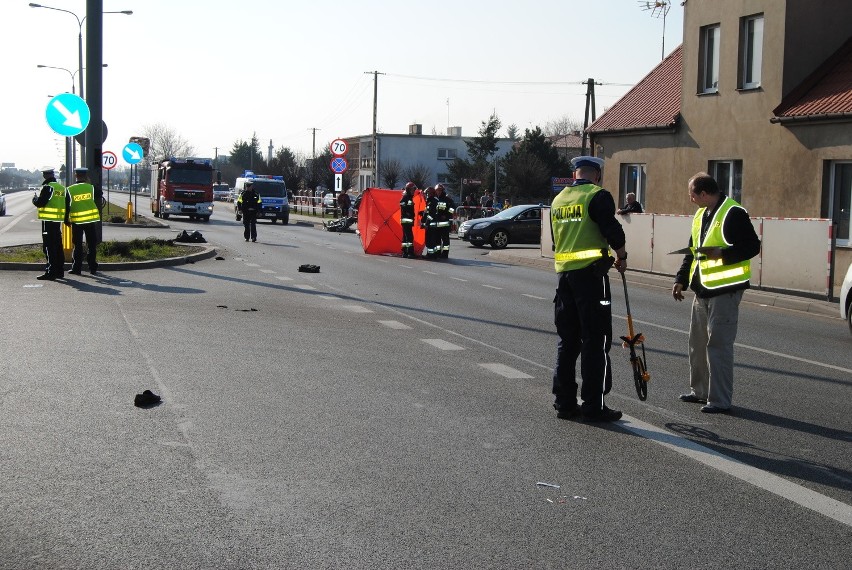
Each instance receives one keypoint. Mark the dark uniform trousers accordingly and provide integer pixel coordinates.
(250, 224)
(408, 237)
(90, 231)
(51, 244)
(583, 318)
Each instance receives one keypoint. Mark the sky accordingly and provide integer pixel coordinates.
(218, 71)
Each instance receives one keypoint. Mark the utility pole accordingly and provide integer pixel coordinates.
(314, 147)
(375, 157)
(590, 105)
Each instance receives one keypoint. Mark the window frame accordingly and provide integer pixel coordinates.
(626, 184)
(751, 52)
(840, 201)
(708, 64)
(733, 180)
(449, 153)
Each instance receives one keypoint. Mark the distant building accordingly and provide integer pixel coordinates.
(434, 152)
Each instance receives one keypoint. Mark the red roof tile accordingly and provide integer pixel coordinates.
(827, 92)
(653, 103)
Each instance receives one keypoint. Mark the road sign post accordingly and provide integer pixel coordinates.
(108, 162)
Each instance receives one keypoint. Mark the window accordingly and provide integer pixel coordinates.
(729, 177)
(840, 199)
(751, 51)
(708, 64)
(632, 180)
(447, 154)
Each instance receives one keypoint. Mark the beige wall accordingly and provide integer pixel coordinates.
(783, 164)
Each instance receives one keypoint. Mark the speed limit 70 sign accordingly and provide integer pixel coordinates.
(339, 147)
(108, 160)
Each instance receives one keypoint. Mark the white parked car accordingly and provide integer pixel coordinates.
(846, 298)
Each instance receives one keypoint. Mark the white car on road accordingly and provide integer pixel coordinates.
(846, 298)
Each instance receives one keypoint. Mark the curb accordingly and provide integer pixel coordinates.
(756, 296)
(206, 253)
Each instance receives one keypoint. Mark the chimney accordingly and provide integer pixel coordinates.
(269, 155)
(415, 129)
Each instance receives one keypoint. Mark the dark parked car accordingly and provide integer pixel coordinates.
(2, 204)
(518, 224)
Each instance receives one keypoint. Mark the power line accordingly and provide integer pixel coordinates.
(506, 82)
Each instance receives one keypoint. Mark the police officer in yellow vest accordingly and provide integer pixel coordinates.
(584, 229)
(84, 215)
(52, 203)
(718, 270)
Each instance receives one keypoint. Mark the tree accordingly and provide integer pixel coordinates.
(564, 125)
(417, 173)
(512, 132)
(479, 164)
(165, 143)
(286, 163)
(530, 165)
(247, 156)
(389, 172)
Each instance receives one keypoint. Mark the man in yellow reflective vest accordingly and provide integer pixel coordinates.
(718, 270)
(84, 215)
(584, 228)
(52, 204)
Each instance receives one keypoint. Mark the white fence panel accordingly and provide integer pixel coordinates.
(639, 231)
(795, 255)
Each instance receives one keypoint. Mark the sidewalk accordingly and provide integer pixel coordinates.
(532, 257)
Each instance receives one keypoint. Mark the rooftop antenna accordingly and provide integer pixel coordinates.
(658, 9)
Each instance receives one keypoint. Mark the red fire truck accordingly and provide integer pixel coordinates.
(182, 187)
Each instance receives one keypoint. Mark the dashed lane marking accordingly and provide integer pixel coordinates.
(356, 308)
(503, 370)
(442, 344)
(283, 278)
(395, 325)
(493, 287)
(267, 271)
(429, 272)
(252, 265)
(533, 297)
(459, 279)
(305, 287)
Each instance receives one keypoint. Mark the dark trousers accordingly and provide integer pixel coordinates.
(583, 318)
(250, 225)
(407, 240)
(51, 244)
(90, 232)
(444, 241)
(432, 243)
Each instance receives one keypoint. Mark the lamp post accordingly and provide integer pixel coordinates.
(79, 48)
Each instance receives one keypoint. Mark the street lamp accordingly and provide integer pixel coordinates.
(80, 34)
(79, 41)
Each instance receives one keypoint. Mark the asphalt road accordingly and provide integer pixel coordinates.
(390, 413)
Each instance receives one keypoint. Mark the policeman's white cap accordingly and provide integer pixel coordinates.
(593, 161)
(81, 171)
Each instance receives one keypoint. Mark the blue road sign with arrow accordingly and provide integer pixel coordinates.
(132, 153)
(67, 114)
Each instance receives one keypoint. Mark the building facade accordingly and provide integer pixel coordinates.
(760, 96)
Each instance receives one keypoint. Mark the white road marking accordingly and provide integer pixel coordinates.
(395, 325)
(283, 278)
(442, 344)
(503, 370)
(534, 297)
(252, 265)
(11, 224)
(429, 272)
(305, 287)
(329, 297)
(356, 308)
(493, 287)
(406, 266)
(459, 279)
(776, 485)
(266, 271)
(754, 348)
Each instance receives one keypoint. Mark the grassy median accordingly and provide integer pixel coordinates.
(145, 249)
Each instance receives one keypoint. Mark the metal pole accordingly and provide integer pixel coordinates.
(375, 115)
(94, 134)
